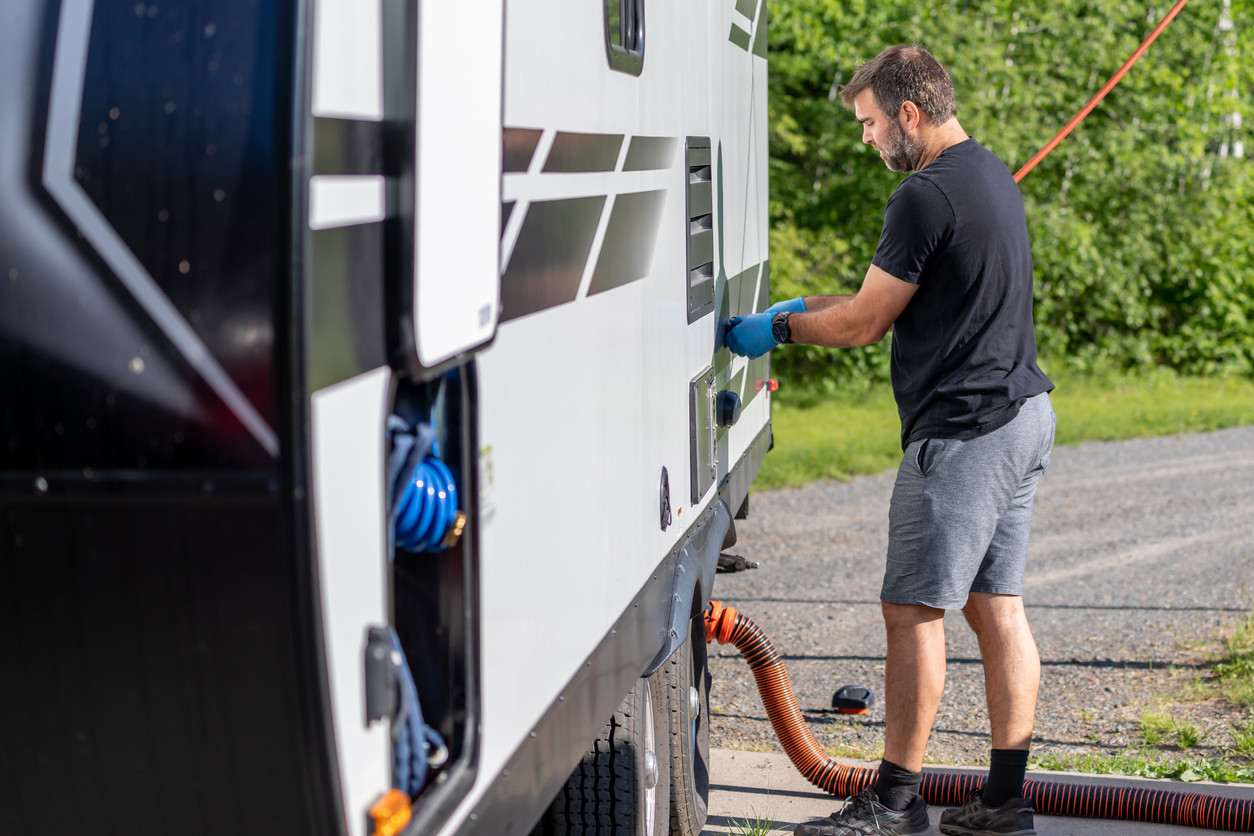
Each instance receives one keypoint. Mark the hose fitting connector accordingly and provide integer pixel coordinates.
(720, 620)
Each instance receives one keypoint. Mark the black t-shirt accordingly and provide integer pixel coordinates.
(964, 349)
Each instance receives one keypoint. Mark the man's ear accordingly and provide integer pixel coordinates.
(910, 117)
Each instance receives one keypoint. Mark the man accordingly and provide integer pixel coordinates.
(952, 277)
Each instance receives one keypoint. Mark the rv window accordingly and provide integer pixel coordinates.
(624, 35)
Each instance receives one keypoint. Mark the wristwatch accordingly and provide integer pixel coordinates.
(779, 327)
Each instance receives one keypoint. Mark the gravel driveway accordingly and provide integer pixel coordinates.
(1141, 556)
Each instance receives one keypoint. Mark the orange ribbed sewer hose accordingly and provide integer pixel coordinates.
(1052, 798)
(1101, 94)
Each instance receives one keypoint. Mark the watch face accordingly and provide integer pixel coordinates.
(779, 328)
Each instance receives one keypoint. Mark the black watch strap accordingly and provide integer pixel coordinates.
(780, 329)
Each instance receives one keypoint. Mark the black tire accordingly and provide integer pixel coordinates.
(686, 671)
(609, 792)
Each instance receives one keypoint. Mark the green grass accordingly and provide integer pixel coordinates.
(1243, 739)
(1188, 735)
(1138, 764)
(1235, 670)
(1154, 727)
(753, 825)
(841, 437)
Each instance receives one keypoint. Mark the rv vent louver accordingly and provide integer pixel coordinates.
(700, 216)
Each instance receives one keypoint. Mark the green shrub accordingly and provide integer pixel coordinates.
(1140, 221)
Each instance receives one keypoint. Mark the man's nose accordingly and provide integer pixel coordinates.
(866, 134)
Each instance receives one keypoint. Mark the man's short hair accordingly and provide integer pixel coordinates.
(904, 73)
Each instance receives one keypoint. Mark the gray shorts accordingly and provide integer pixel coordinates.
(962, 511)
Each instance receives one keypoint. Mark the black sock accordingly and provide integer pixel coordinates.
(896, 786)
(1005, 776)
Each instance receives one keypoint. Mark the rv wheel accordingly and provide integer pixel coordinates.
(622, 785)
(688, 688)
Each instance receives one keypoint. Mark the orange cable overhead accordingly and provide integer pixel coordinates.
(1101, 94)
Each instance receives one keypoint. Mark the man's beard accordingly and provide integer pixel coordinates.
(900, 151)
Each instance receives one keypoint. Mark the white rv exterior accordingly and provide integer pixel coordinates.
(583, 403)
(585, 398)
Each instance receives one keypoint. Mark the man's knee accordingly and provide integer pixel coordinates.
(985, 611)
(909, 616)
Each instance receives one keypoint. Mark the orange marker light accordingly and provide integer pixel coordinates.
(391, 813)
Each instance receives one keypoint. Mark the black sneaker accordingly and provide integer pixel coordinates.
(975, 818)
(863, 815)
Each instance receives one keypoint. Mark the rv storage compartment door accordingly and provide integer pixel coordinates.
(456, 181)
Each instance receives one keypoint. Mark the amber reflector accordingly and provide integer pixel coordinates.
(391, 813)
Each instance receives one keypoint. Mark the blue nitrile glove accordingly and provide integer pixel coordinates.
(750, 335)
(797, 305)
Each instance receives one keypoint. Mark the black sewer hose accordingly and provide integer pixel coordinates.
(1050, 798)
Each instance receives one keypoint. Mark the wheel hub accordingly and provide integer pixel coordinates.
(650, 770)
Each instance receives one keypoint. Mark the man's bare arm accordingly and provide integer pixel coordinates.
(861, 319)
(821, 303)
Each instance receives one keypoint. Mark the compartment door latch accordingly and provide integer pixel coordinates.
(382, 665)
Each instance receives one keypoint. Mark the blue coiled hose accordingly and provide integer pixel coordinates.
(427, 508)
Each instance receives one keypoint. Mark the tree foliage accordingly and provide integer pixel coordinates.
(1141, 221)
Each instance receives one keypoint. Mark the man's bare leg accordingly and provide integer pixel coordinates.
(1012, 667)
(914, 678)
(1012, 675)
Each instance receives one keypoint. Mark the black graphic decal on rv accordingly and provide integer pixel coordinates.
(507, 209)
(649, 153)
(627, 252)
(347, 146)
(759, 32)
(548, 260)
(764, 288)
(583, 152)
(346, 324)
(741, 37)
(742, 292)
(519, 147)
(757, 379)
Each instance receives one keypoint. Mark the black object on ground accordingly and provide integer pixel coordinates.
(853, 699)
(734, 563)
